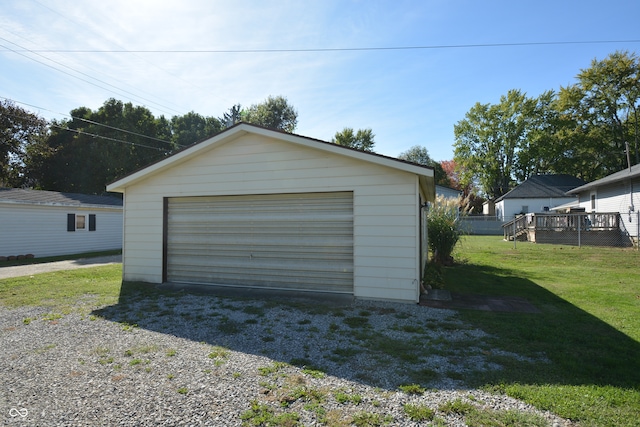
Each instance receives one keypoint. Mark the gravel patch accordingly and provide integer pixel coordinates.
(176, 359)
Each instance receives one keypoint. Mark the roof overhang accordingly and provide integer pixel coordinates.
(424, 173)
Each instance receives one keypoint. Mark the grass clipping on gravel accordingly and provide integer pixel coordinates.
(63, 288)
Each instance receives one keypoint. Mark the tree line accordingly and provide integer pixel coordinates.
(582, 129)
(92, 148)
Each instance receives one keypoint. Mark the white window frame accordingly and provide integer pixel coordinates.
(84, 222)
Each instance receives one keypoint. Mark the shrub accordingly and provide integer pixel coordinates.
(443, 228)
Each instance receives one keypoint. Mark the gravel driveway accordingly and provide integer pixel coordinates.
(178, 359)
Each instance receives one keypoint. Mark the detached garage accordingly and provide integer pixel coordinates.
(257, 208)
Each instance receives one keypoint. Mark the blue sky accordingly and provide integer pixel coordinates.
(408, 97)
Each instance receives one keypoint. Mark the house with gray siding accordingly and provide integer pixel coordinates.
(616, 193)
(50, 223)
(254, 208)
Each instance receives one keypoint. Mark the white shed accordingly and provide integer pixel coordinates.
(258, 208)
(50, 223)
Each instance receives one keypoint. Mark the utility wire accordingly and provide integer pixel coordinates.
(78, 24)
(337, 49)
(93, 135)
(81, 132)
(91, 122)
(23, 49)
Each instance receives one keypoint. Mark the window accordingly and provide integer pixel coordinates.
(593, 202)
(79, 222)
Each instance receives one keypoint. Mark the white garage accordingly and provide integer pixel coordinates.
(257, 208)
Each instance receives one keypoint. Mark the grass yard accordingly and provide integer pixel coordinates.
(588, 328)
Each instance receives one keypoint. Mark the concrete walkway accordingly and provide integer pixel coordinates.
(46, 267)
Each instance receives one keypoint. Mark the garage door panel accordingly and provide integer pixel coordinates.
(301, 241)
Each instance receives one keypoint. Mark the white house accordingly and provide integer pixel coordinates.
(539, 193)
(447, 192)
(49, 223)
(258, 208)
(619, 192)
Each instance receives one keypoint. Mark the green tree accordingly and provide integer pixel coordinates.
(273, 113)
(19, 130)
(488, 140)
(232, 116)
(193, 127)
(85, 153)
(362, 140)
(420, 155)
(609, 101)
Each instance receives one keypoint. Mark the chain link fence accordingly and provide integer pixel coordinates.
(575, 229)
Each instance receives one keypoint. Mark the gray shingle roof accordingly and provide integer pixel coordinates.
(40, 197)
(610, 179)
(543, 186)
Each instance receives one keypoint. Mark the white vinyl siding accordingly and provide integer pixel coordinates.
(616, 198)
(385, 204)
(507, 209)
(278, 241)
(41, 230)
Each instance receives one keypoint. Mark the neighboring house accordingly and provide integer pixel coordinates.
(616, 193)
(49, 223)
(258, 208)
(449, 193)
(539, 193)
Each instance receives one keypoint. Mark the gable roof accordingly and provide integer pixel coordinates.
(543, 186)
(55, 198)
(629, 173)
(425, 173)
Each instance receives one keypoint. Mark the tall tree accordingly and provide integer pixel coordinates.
(274, 113)
(93, 148)
(420, 155)
(611, 88)
(488, 140)
(193, 127)
(19, 130)
(449, 168)
(232, 116)
(362, 140)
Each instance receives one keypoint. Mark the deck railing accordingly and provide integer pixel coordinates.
(516, 227)
(599, 229)
(578, 221)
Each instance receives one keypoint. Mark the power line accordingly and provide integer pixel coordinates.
(23, 49)
(77, 24)
(338, 49)
(92, 122)
(93, 135)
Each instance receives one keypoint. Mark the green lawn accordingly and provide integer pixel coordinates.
(588, 328)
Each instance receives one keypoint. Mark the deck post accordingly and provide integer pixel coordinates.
(579, 223)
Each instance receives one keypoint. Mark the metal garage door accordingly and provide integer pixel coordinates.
(283, 241)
